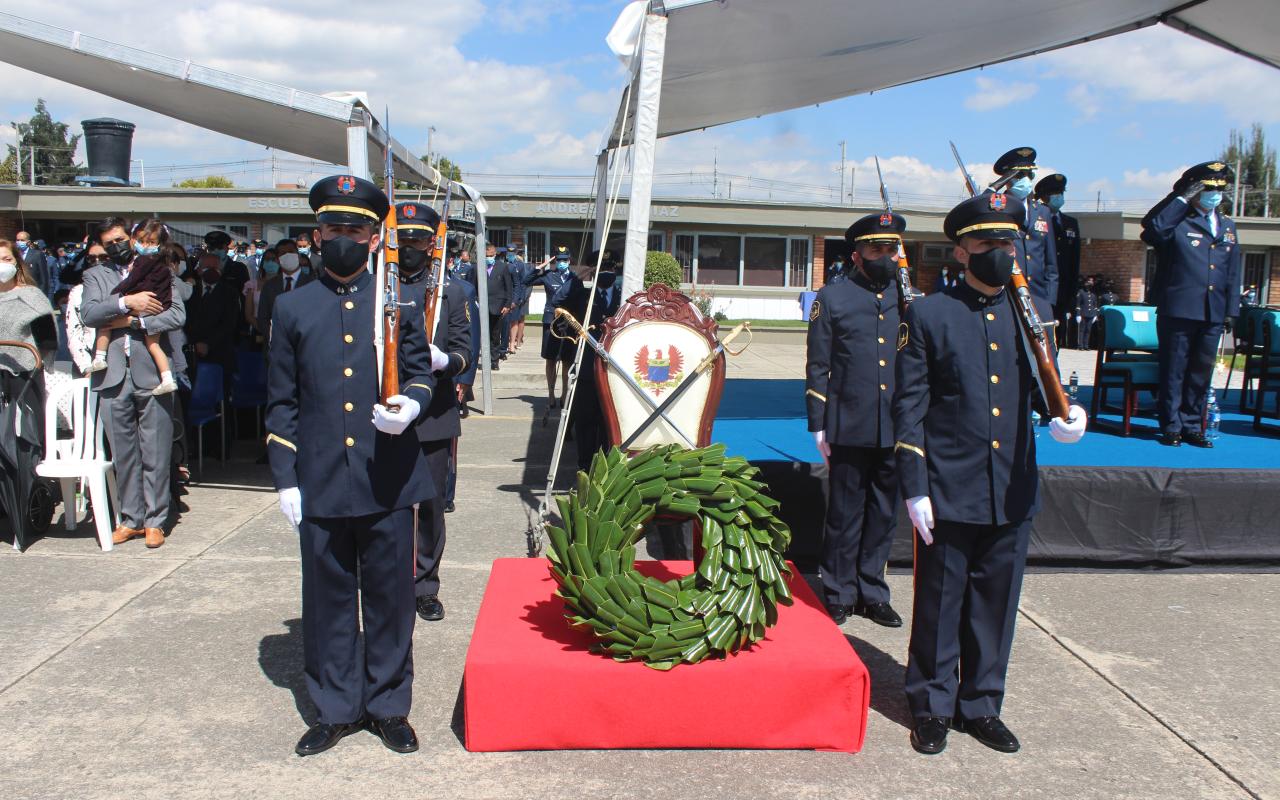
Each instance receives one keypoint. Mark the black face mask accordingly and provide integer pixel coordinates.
(607, 279)
(344, 257)
(413, 260)
(120, 252)
(993, 267)
(880, 270)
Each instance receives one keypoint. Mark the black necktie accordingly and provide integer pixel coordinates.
(288, 283)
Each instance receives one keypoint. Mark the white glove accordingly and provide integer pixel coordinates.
(394, 422)
(291, 505)
(439, 358)
(920, 509)
(820, 439)
(1070, 430)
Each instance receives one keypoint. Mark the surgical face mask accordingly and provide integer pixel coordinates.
(289, 262)
(306, 251)
(1020, 188)
(993, 267)
(146, 249)
(7, 271)
(879, 270)
(489, 261)
(344, 257)
(219, 252)
(270, 267)
(1056, 201)
(120, 252)
(1210, 200)
(562, 264)
(413, 260)
(23, 246)
(259, 251)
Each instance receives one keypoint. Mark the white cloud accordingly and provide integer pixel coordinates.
(991, 94)
(1159, 64)
(1085, 100)
(1153, 183)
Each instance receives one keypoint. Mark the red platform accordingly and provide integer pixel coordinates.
(530, 683)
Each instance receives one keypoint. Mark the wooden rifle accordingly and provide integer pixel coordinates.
(1034, 332)
(390, 274)
(906, 292)
(435, 282)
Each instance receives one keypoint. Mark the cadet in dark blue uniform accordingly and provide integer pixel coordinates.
(1196, 291)
(1034, 247)
(966, 453)
(852, 345)
(520, 302)
(557, 283)
(349, 472)
(1051, 191)
(438, 425)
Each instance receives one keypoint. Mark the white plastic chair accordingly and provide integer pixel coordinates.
(80, 459)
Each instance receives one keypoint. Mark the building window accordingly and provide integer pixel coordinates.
(1256, 271)
(765, 261)
(683, 251)
(719, 258)
(535, 244)
(799, 263)
(657, 241)
(498, 237)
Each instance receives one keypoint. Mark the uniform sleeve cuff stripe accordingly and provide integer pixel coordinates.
(422, 386)
(912, 448)
(271, 437)
(815, 394)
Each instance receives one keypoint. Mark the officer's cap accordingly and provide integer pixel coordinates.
(876, 229)
(217, 239)
(1214, 174)
(1017, 159)
(416, 220)
(348, 200)
(1051, 185)
(561, 252)
(987, 216)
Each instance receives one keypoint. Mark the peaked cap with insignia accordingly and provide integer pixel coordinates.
(416, 220)
(876, 229)
(987, 216)
(348, 200)
(1017, 159)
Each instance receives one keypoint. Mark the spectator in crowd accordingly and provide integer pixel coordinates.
(25, 313)
(289, 277)
(217, 243)
(499, 292)
(1107, 295)
(212, 316)
(463, 381)
(80, 337)
(148, 273)
(1250, 296)
(303, 245)
(139, 424)
(466, 269)
(36, 265)
(520, 272)
(1086, 311)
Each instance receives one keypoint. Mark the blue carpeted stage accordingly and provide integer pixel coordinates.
(1108, 500)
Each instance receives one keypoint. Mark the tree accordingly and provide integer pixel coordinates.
(448, 169)
(54, 147)
(662, 267)
(207, 182)
(1257, 171)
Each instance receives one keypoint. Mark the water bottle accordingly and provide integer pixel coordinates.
(1214, 416)
(1035, 422)
(1073, 387)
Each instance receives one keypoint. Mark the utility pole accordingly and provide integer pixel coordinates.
(853, 174)
(1235, 203)
(1266, 195)
(33, 165)
(842, 171)
(17, 162)
(430, 131)
(1099, 207)
(715, 172)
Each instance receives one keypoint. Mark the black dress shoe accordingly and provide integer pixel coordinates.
(430, 608)
(839, 613)
(880, 614)
(929, 735)
(396, 733)
(1171, 440)
(321, 737)
(991, 732)
(1197, 439)
(448, 507)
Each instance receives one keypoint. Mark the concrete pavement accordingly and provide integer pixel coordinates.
(177, 672)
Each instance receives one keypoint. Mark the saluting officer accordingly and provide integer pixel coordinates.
(1034, 246)
(438, 425)
(348, 474)
(852, 345)
(1052, 192)
(1196, 292)
(557, 283)
(967, 464)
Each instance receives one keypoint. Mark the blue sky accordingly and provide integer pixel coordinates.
(525, 86)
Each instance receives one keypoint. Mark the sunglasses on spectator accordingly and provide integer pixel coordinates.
(95, 260)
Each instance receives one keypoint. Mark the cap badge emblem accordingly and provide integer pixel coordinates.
(346, 184)
(410, 212)
(886, 220)
(998, 202)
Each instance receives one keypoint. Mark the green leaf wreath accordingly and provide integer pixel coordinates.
(726, 604)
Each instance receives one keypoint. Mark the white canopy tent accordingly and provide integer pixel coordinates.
(338, 127)
(700, 63)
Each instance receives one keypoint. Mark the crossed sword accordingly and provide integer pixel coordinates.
(659, 410)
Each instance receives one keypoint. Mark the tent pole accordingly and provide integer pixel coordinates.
(602, 199)
(482, 281)
(358, 146)
(645, 140)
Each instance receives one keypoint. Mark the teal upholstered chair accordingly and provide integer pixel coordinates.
(1267, 372)
(1126, 360)
(1247, 340)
